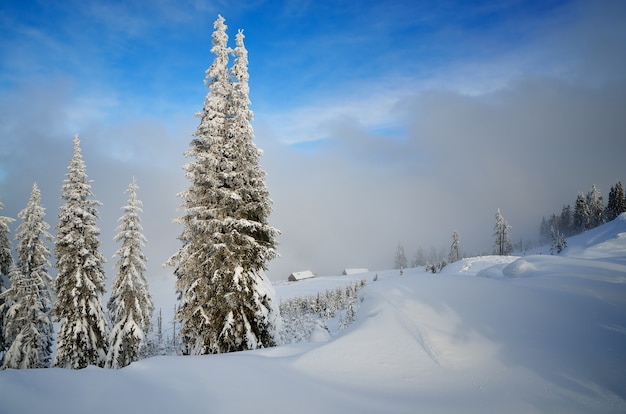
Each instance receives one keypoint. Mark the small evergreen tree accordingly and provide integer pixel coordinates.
(419, 259)
(454, 248)
(596, 207)
(544, 231)
(616, 203)
(6, 261)
(502, 245)
(6, 258)
(558, 242)
(225, 298)
(13, 315)
(29, 325)
(159, 331)
(303, 316)
(582, 215)
(130, 306)
(554, 223)
(400, 260)
(83, 332)
(566, 224)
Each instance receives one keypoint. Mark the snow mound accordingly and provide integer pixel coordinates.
(518, 268)
(320, 334)
(609, 271)
(605, 241)
(472, 266)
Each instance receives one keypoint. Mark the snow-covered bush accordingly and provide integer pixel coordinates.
(331, 310)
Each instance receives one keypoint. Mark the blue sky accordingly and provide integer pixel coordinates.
(381, 122)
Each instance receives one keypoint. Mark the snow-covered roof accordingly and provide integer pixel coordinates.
(354, 271)
(305, 274)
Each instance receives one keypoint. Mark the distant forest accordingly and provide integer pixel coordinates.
(589, 211)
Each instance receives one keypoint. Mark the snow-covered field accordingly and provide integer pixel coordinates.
(538, 333)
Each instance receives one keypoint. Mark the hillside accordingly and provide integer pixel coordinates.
(528, 334)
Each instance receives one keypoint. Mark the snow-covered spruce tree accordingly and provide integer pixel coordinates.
(616, 203)
(544, 231)
(502, 244)
(558, 242)
(419, 259)
(596, 207)
(29, 330)
(130, 306)
(225, 299)
(83, 333)
(400, 261)
(6, 261)
(582, 215)
(567, 221)
(6, 258)
(454, 248)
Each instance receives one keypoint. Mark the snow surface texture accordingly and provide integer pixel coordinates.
(511, 334)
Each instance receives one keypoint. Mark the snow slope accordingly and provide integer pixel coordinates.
(529, 334)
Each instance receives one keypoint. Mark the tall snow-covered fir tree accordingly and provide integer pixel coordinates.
(29, 328)
(502, 244)
(83, 333)
(6, 261)
(130, 306)
(225, 299)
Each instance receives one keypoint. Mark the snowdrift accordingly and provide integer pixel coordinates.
(538, 333)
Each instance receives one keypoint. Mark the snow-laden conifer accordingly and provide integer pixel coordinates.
(502, 244)
(83, 332)
(130, 306)
(400, 261)
(28, 329)
(6, 258)
(419, 258)
(454, 248)
(582, 214)
(616, 203)
(558, 241)
(225, 298)
(6, 261)
(596, 207)
(566, 225)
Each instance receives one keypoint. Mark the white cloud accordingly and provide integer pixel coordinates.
(523, 131)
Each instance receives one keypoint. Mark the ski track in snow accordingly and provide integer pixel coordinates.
(421, 338)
